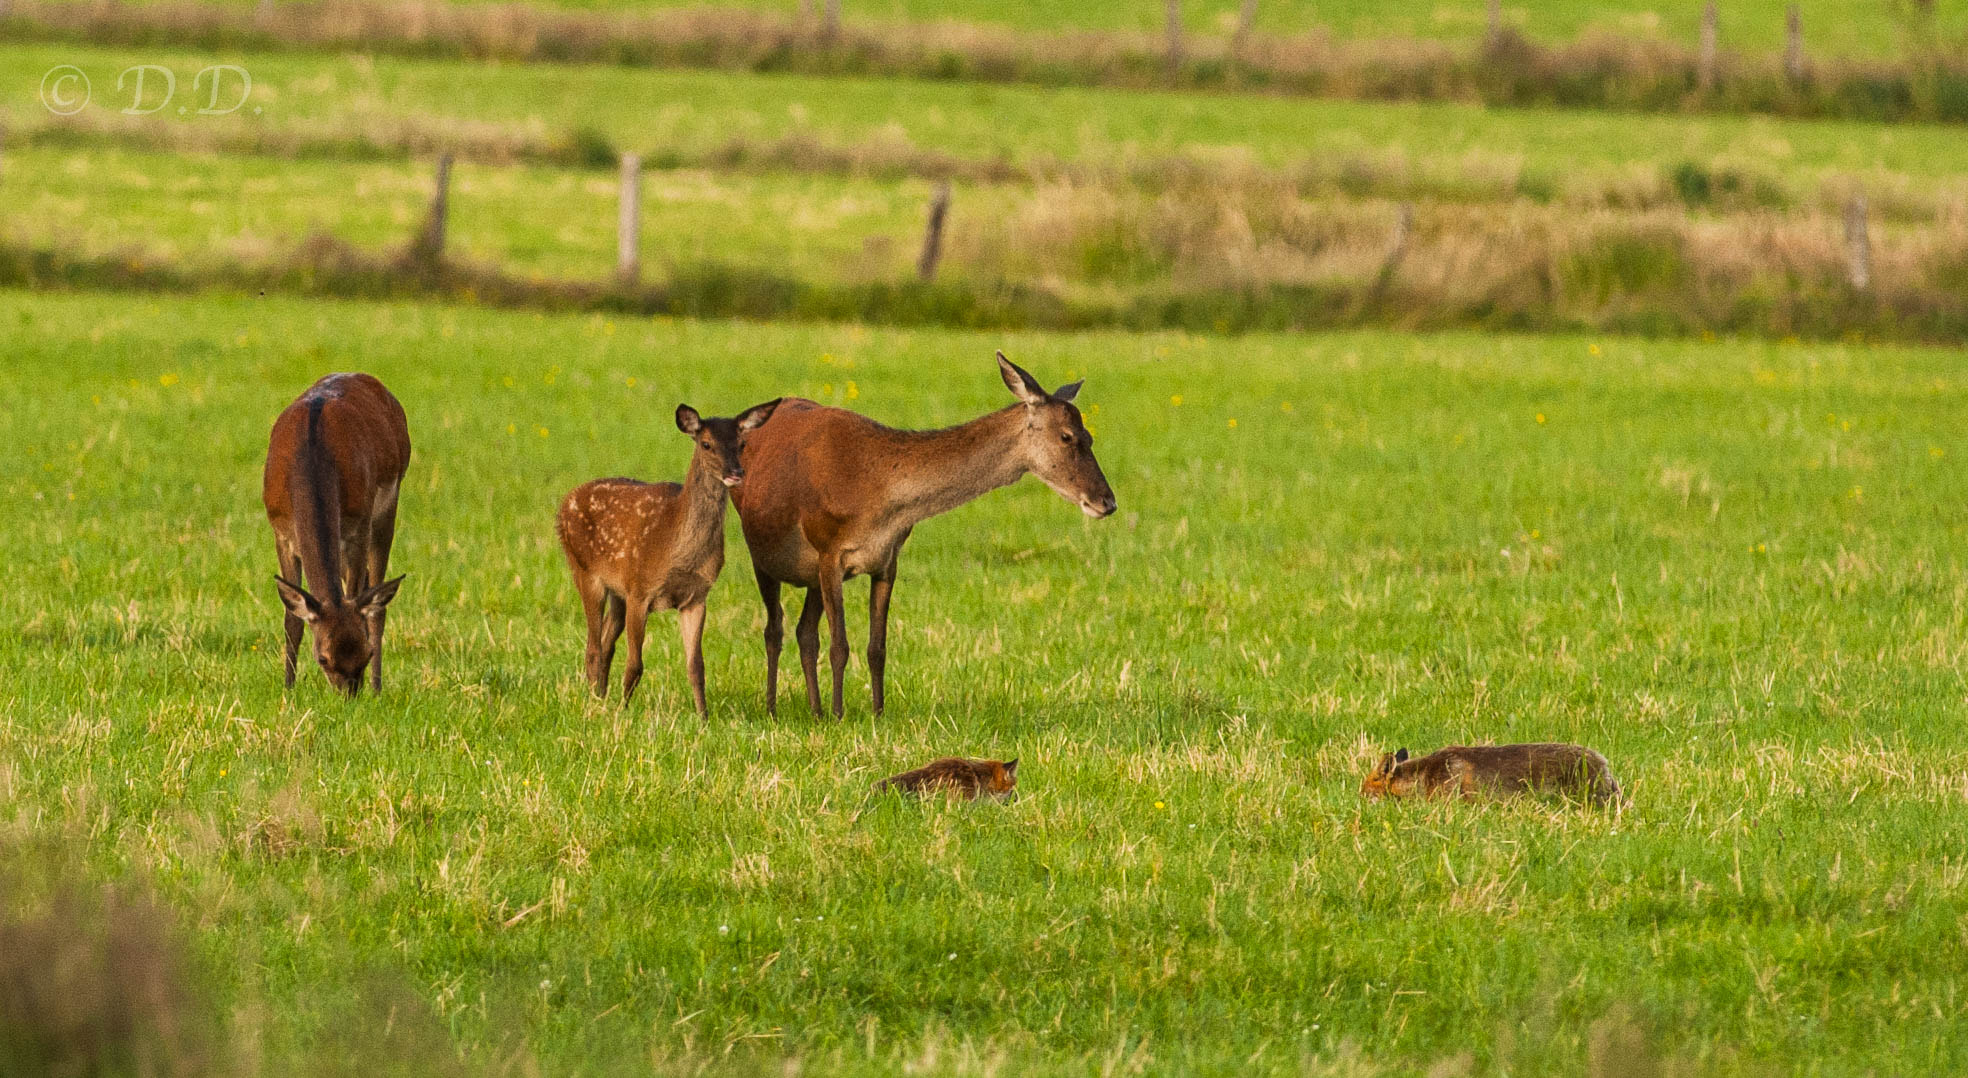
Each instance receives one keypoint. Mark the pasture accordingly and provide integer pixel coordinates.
(652, 111)
(1734, 567)
(1868, 27)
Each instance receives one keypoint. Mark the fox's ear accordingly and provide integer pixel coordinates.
(1011, 768)
(1400, 756)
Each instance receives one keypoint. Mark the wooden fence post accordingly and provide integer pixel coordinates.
(1174, 13)
(1858, 244)
(1397, 249)
(1711, 35)
(932, 248)
(1794, 46)
(830, 24)
(628, 221)
(1495, 21)
(1246, 23)
(429, 245)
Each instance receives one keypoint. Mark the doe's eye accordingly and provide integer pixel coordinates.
(1066, 437)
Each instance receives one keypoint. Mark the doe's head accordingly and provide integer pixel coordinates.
(343, 631)
(719, 441)
(1055, 441)
(1382, 780)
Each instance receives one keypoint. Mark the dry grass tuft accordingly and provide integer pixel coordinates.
(93, 979)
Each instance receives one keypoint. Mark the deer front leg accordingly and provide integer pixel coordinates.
(775, 638)
(833, 602)
(638, 620)
(879, 588)
(290, 564)
(690, 623)
(381, 537)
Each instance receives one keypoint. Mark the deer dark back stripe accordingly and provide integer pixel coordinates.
(316, 487)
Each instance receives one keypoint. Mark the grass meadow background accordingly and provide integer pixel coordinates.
(1734, 567)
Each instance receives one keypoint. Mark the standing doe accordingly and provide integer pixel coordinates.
(636, 547)
(834, 494)
(334, 465)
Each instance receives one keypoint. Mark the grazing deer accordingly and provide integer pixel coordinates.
(636, 547)
(958, 777)
(833, 494)
(334, 466)
(1462, 770)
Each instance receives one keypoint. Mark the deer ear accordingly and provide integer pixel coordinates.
(688, 421)
(297, 601)
(1065, 394)
(754, 417)
(1022, 385)
(1401, 756)
(1011, 767)
(372, 602)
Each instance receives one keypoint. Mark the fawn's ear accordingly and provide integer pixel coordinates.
(1400, 756)
(754, 417)
(1022, 385)
(1065, 394)
(372, 602)
(297, 601)
(688, 421)
(1011, 768)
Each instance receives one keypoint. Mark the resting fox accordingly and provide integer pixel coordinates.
(959, 776)
(1468, 770)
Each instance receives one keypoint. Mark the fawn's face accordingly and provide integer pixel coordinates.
(1056, 444)
(1003, 779)
(343, 633)
(1382, 781)
(719, 441)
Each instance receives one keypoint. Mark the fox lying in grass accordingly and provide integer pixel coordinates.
(957, 776)
(1466, 771)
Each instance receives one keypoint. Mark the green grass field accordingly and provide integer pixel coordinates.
(641, 110)
(1734, 567)
(553, 222)
(1873, 27)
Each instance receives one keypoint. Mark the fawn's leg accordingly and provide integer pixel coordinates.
(690, 623)
(614, 612)
(638, 620)
(594, 603)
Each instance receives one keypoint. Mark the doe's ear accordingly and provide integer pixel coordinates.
(297, 601)
(1022, 385)
(754, 417)
(1065, 394)
(1401, 756)
(1011, 767)
(688, 421)
(372, 602)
